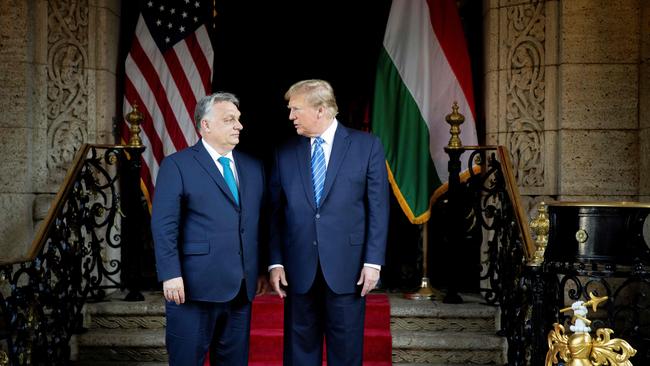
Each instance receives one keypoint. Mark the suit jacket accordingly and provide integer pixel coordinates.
(348, 229)
(199, 232)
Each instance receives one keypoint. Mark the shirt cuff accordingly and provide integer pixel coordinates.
(375, 266)
(275, 266)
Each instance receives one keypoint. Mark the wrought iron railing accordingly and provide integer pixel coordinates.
(79, 253)
(529, 287)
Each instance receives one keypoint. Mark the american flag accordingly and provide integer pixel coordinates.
(168, 68)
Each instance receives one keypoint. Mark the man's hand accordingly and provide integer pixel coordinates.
(263, 285)
(369, 277)
(278, 278)
(174, 290)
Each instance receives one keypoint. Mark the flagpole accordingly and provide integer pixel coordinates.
(426, 292)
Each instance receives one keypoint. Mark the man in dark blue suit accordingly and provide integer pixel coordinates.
(329, 197)
(205, 219)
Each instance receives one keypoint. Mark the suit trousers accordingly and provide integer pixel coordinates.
(196, 326)
(321, 313)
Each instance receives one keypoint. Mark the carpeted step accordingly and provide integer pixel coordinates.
(269, 309)
(267, 333)
(279, 363)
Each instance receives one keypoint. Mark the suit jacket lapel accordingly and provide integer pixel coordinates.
(303, 154)
(339, 149)
(205, 161)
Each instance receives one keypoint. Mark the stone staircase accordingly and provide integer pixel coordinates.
(424, 333)
(433, 333)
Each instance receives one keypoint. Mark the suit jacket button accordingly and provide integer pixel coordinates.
(241, 231)
(318, 216)
(315, 242)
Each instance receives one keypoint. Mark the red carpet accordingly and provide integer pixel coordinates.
(266, 332)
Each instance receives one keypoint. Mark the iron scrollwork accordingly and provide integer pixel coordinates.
(41, 299)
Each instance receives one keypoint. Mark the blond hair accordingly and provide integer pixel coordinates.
(318, 93)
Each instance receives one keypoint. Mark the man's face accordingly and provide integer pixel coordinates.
(305, 118)
(221, 126)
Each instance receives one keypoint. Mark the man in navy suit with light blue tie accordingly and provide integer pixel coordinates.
(329, 199)
(205, 225)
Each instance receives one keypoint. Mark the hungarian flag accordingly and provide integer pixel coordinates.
(422, 70)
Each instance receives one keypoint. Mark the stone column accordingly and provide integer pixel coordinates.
(599, 100)
(562, 94)
(59, 60)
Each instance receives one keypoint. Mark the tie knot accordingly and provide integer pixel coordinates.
(318, 141)
(224, 161)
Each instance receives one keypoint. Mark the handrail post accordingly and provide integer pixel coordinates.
(454, 149)
(133, 217)
(133, 210)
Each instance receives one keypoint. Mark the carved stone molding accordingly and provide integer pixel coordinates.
(123, 354)
(470, 356)
(132, 322)
(525, 42)
(67, 83)
(443, 324)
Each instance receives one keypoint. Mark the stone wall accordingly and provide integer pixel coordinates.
(565, 93)
(58, 91)
(644, 104)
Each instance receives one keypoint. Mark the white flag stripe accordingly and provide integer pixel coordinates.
(424, 69)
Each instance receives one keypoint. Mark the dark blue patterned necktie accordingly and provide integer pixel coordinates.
(318, 169)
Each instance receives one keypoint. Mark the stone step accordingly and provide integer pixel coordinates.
(122, 345)
(424, 333)
(448, 348)
(418, 315)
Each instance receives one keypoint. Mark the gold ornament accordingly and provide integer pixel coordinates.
(579, 349)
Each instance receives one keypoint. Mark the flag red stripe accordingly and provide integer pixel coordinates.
(147, 126)
(183, 85)
(200, 61)
(449, 31)
(157, 89)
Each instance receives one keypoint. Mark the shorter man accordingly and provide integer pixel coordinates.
(205, 219)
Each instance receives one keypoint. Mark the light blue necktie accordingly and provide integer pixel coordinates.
(229, 177)
(318, 169)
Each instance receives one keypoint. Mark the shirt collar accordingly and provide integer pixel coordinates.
(328, 134)
(214, 154)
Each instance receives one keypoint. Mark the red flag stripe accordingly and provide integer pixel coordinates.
(446, 23)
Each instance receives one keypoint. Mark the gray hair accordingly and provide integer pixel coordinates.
(318, 93)
(204, 105)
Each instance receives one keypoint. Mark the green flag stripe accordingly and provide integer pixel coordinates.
(402, 130)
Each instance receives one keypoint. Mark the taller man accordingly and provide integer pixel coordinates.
(205, 219)
(329, 197)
